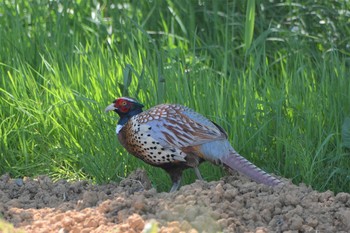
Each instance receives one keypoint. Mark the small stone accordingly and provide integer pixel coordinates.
(19, 182)
(296, 223)
(136, 222)
(342, 197)
(344, 217)
(261, 230)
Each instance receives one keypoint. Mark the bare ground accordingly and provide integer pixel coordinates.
(233, 204)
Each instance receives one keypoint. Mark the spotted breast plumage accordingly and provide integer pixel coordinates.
(175, 138)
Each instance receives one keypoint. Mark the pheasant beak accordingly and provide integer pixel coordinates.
(110, 108)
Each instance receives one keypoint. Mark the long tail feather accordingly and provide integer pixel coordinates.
(242, 165)
(221, 152)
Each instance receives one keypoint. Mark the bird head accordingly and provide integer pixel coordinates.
(125, 106)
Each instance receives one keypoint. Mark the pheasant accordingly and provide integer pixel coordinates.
(175, 137)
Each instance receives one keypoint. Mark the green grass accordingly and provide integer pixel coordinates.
(281, 89)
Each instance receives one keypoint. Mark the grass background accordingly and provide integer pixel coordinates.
(274, 74)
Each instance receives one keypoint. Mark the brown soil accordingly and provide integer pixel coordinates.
(233, 204)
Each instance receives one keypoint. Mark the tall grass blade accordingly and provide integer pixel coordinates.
(249, 24)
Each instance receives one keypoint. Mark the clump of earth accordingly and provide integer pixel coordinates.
(232, 204)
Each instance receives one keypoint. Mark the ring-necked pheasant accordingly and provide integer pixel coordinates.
(175, 138)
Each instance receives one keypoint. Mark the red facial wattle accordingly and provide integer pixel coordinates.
(122, 105)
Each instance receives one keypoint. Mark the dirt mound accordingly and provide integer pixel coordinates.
(233, 204)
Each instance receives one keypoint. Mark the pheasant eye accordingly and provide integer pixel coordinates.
(121, 103)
